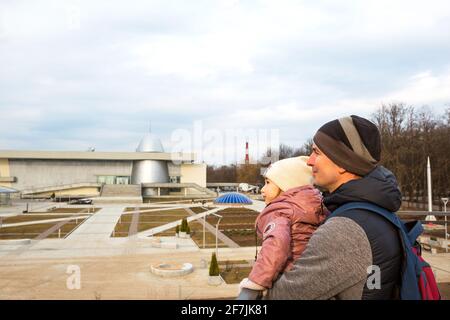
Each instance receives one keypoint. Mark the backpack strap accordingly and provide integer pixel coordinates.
(412, 229)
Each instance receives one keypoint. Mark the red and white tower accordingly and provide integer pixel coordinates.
(247, 157)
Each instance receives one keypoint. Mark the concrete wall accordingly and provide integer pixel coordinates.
(45, 173)
(86, 191)
(4, 172)
(174, 170)
(193, 173)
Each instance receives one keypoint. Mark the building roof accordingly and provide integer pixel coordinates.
(7, 190)
(150, 143)
(233, 198)
(87, 155)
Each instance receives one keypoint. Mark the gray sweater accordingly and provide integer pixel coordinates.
(333, 266)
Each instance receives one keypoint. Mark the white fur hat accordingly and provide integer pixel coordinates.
(290, 173)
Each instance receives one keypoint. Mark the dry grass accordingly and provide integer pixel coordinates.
(210, 238)
(74, 210)
(168, 199)
(155, 219)
(34, 230)
(197, 210)
(235, 274)
(30, 218)
(244, 238)
(67, 228)
(24, 232)
(238, 224)
(197, 236)
(122, 227)
(148, 220)
(231, 262)
(128, 209)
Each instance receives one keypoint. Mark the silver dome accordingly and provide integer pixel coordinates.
(150, 143)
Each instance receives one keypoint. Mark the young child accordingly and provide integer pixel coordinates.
(293, 212)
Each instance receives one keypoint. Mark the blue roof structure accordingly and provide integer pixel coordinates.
(233, 198)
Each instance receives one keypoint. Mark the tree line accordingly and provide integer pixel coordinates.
(409, 135)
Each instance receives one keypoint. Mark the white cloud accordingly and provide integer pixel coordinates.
(194, 57)
(424, 88)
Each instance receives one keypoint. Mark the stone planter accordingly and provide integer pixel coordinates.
(215, 280)
(172, 270)
(184, 235)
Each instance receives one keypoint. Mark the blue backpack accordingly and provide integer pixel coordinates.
(417, 279)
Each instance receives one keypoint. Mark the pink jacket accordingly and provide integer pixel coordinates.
(286, 224)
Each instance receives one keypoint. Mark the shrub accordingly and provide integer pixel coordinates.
(177, 229)
(184, 225)
(214, 266)
(188, 230)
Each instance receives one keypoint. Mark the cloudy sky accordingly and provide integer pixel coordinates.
(75, 74)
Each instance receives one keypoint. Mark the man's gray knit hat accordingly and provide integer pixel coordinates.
(352, 143)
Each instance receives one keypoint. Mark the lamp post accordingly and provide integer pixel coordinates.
(429, 217)
(445, 200)
(204, 224)
(217, 230)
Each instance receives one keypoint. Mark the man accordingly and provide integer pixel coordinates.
(357, 245)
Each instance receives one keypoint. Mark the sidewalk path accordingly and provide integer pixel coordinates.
(134, 223)
(99, 226)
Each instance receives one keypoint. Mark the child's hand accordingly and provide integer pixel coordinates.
(249, 284)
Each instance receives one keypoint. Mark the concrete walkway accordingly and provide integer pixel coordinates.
(134, 223)
(222, 237)
(99, 226)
